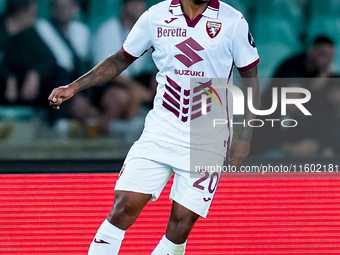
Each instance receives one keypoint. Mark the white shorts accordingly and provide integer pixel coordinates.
(149, 165)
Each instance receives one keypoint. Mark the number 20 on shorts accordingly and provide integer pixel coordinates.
(214, 178)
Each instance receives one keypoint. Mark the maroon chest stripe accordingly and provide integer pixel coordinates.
(173, 84)
(172, 101)
(199, 105)
(199, 113)
(171, 109)
(174, 93)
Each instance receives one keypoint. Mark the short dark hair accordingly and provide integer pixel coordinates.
(322, 39)
(14, 6)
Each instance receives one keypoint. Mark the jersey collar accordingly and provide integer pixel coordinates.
(210, 12)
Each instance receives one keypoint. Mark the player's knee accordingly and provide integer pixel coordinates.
(179, 227)
(183, 222)
(123, 208)
(126, 208)
(122, 215)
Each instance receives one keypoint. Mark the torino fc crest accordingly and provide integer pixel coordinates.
(213, 28)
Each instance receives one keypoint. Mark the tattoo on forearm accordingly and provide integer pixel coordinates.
(105, 71)
(250, 80)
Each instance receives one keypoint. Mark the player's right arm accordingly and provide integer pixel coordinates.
(105, 71)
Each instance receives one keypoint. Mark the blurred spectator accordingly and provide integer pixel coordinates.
(310, 70)
(117, 109)
(18, 16)
(316, 62)
(68, 39)
(31, 67)
(111, 35)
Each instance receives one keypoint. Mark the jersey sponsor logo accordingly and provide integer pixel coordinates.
(189, 47)
(213, 28)
(189, 73)
(100, 241)
(170, 20)
(171, 32)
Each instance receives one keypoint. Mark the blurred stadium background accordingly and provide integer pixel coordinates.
(250, 215)
(281, 28)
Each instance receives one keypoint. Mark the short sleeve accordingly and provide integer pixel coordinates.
(243, 46)
(138, 41)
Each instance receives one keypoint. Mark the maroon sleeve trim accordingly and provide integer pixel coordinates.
(242, 69)
(128, 55)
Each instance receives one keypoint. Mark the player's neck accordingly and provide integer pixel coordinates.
(193, 8)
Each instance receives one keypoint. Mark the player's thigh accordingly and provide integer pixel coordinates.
(195, 188)
(145, 176)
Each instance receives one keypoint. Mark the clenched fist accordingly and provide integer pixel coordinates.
(61, 94)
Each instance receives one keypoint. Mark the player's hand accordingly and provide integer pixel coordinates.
(239, 151)
(60, 95)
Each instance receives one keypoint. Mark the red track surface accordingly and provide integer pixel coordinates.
(59, 214)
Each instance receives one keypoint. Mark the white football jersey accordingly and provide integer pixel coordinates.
(184, 52)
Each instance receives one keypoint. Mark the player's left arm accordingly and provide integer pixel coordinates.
(240, 148)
